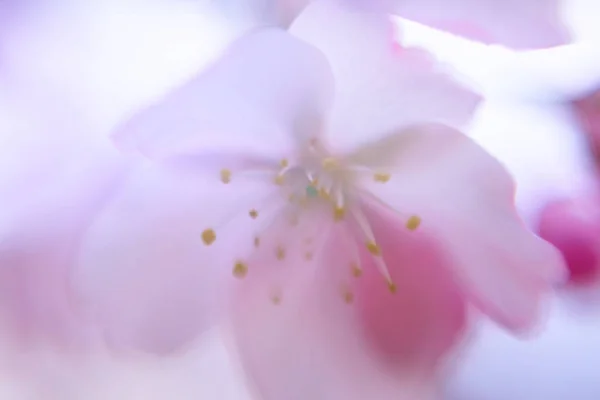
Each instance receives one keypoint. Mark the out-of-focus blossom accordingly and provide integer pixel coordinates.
(521, 24)
(587, 110)
(573, 226)
(324, 186)
(67, 72)
(53, 179)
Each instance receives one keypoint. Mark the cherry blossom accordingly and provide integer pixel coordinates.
(317, 194)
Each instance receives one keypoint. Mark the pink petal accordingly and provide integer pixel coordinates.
(573, 226)
(145, 272)
(521, 24)
(415, 327)
(315, 342)
(587, 110)
(52, 182)
(379, 87)
(466, 200)
(268, 86)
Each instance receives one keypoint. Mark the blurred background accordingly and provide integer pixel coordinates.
(538, 119)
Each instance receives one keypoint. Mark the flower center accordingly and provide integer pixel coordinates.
(315, 188)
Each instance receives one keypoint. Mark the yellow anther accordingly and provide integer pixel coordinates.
(329, 163)
(253, 214)
(381, 177)
(240, 269)
(339, 213)
(315, 181)
(413, 223)
(280, 253)
(256, 241)
(348, 297)
(356, 270)
(276, 299)
(308, 256)
(279, 180)
(374, 248)
(392, 287)
(324, 194)
(225, 175)
(284, 163)
(209, 236)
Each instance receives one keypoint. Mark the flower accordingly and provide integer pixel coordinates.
(525, 24)
(587, 111)
(318, 189)
(573, 225)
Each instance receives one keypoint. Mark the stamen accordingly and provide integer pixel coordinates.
(338, 213)
(329, 163)
(373, 248)
(209, 236)
(308, 256)
(280, 253)
(356, 270)
(225, 175)
(413, 222)
(311, 176)
(240, 269)
(365, 228)
(381, 177)
(256, 241)
(276, 299)
(279, 179)
(348, 296)
(284, 163)
(253, 214)
(392, 287)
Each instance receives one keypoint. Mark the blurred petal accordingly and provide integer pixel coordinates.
(52, 182)
(466, 200)
(379, 86)
(265, 85)
(151, 280)
(521, 24)
(587, 111)
(144, 269)
(573, 226)
(416, 326)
